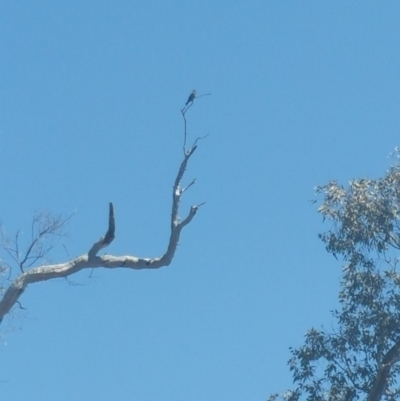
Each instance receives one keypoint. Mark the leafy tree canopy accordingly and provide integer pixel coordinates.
(358, 360)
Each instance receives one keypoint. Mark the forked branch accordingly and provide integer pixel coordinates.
(92, 260)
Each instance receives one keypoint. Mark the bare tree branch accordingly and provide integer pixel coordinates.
(43, 229)
(91, 260)
(188, 186)
(109, 236)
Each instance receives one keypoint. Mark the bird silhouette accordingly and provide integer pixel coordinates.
(191, 97)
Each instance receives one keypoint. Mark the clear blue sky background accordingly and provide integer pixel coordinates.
(91, 92)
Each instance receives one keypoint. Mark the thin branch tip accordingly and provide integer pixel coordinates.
(186, 188)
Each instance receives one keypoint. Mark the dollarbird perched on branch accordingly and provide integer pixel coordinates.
(191, 97)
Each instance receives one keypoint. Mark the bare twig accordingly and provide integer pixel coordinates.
(43, 226)
(205, 94)
(187, 187)
(20, 305)
(183, 111)
(199, 139)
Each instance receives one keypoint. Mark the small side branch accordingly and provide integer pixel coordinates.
(108, 238)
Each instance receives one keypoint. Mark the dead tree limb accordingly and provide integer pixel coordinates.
(108, 238)
(92, 260)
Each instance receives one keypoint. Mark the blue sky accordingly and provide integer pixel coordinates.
(302, 92)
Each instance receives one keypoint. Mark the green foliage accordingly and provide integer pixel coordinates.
(358, 359)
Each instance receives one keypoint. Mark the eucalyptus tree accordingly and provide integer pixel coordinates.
(359, 358)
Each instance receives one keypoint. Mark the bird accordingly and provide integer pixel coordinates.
(191, 97)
